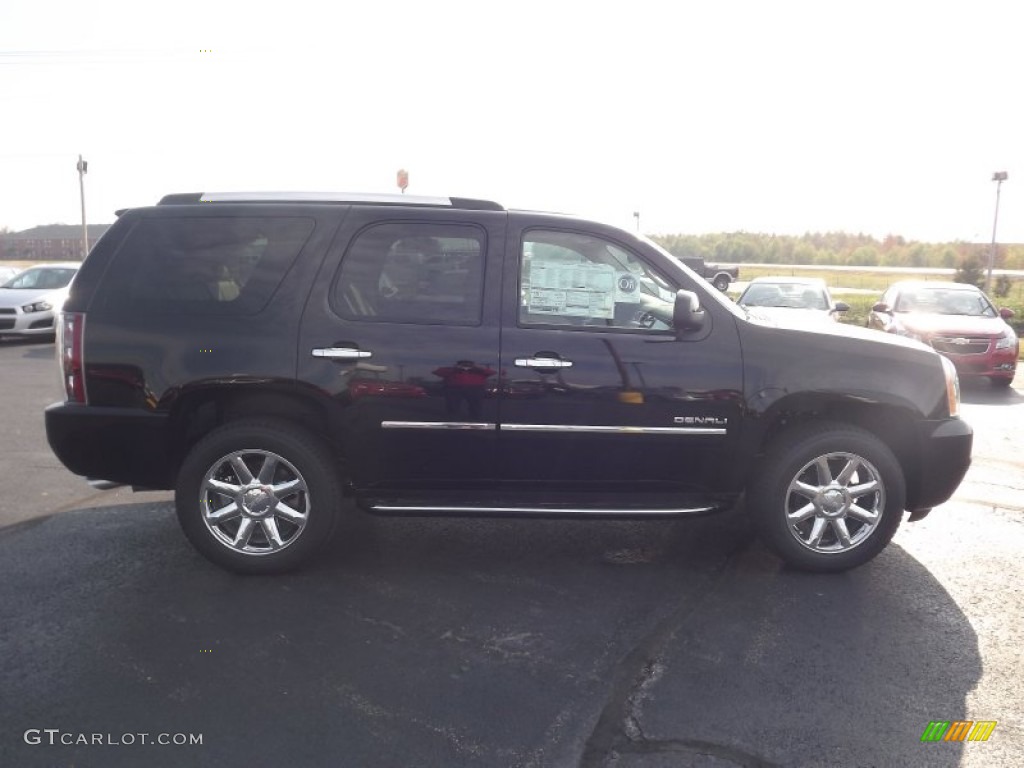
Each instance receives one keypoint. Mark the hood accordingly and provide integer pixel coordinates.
(16, 297)
(951, 325)
(844, 330)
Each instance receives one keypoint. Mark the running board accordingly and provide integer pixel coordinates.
(414, 510)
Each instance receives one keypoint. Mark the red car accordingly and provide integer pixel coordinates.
(957, 320)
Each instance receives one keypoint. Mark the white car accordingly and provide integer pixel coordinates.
(30, 300)
(791, 300)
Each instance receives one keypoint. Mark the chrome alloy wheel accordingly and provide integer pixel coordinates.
(254, 502)
(835, 502)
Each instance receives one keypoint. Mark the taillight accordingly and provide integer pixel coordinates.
(69, 341)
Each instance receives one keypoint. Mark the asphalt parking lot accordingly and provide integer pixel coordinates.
(511, 643)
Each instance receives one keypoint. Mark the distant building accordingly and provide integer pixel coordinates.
(54, 242)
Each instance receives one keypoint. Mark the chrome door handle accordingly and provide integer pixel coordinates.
(542, 362)
(341, 353)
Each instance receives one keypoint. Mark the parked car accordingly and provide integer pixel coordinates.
(433, 356)
(791, 300)
(955, 319)
(30, 300)
(716, 274)
(6, 273)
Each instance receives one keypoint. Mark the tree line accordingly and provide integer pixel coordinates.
(838, 248)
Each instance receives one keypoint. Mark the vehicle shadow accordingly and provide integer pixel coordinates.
(35, 348)
(468, 642)
(985, 393)
(787, 668)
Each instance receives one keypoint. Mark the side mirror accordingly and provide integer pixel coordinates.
(687, 315)
(882, 307)
(841, 306)
(1006, 313)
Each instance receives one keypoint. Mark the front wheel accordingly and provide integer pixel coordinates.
(1001, 382)
(258, 496)
(827, 497)
(721, 282)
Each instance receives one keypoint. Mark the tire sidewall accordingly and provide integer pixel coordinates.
(306, 453)
(791, 452)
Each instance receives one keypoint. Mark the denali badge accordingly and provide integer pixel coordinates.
(702, 421)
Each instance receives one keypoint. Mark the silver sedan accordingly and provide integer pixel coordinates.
(29, 301)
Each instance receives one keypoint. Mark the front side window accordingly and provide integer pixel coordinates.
(413, 272)
(573, 279)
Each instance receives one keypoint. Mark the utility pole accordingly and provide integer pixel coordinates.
(998, 177)
(636, 215)
(83, 168)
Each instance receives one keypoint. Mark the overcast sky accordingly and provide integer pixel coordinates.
(705, 116)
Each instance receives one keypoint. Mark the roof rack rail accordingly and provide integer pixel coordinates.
(190, 198)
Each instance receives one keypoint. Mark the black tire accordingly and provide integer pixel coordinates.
(1001, 382)
(291, 510)
(813, 541)
(721, 282)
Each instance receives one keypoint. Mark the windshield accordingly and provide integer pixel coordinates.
(789, 295)
(945, 301)
(50, 278)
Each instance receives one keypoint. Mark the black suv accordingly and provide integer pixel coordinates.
(267, 356)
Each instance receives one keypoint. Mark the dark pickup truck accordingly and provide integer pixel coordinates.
(271, 357)
(719, 276)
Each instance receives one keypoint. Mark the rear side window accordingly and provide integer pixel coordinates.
(209, 265)
(412, 272)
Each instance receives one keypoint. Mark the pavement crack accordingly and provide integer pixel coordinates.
(618, 727)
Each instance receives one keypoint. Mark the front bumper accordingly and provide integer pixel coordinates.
(944, 456)
(27, 324)
(997, 363)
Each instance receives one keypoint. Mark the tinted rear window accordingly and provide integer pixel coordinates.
(413, 272)
(207, 265)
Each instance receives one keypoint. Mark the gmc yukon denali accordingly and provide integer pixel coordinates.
(274, 357)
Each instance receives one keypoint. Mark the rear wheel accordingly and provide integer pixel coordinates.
(721, 282)
(827, 497)
(258, 496)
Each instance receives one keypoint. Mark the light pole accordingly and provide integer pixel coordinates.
(636, 215)
(83, 168)
(998, 177)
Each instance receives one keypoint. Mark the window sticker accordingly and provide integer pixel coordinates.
(572, 290)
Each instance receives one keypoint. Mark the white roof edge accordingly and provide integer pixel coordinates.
(321, 197)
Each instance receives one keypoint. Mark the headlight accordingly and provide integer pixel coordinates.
(1007, 340)
(952, 386)
(39, 306)
(907, 333)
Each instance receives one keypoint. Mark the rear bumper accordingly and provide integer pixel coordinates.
(945, 457)
(121, 445)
